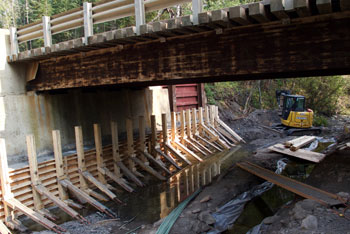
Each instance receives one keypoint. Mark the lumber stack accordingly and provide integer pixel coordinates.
(182, 147)
(293, 148)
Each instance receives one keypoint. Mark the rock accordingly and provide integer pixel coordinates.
(309, 205)
(196, 211)
(199, 227)
(206, 217)
(298, 212)
(158, 223)
(344, 195)
(309, 223)
(206, 199)
(271, 219)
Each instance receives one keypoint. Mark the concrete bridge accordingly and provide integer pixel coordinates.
(268, 39)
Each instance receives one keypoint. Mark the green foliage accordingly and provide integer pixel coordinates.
(320, 120)
(325, 95)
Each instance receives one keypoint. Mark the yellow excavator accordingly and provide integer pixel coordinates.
(295, 118)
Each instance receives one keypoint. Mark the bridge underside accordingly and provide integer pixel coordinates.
(312, 46)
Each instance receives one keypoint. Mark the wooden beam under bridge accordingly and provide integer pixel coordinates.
(316, 45)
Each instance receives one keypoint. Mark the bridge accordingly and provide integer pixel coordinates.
(268, 39)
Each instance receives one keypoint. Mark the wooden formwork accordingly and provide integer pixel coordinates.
(191, 139)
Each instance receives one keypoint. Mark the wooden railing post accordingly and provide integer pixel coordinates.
(14, 41)
(88, 23)
(47, 31)
(140, 17)
(197, 7)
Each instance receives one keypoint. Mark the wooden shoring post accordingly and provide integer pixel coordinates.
(187, 184)
(118, 164)
(210, 173)
(38, 187)
(182, 129)
(188, 123)
(142, 136)
(191, 178)
(143, 151)
(5, 185)
(130, 144)
(154, 141)
(173, 126)
(206, 115)
(195, 132)
(34, 175)
(62, 178)
(197, 176)
(115, 148)
(81, 156)
(102, 169)
(178, 187)
(211, 115)
(99, 153)
(203, 176)
(101, 183)
(165, 132)
(11, 204)
(167, 146)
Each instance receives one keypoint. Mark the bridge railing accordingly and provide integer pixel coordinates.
(88, 15)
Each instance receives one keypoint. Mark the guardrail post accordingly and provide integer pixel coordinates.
(14, 41)
(88, 23)
(47, 31)
(140, 17)
(197, 7)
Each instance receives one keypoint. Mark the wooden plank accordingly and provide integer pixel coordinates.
(119, 180)
(87, 198)
(100, 186)
(148, 169)
(33, 167)
(4, 229)
(99, 152)
(57, 148)
(35, 216)
(303, 154)
(294, 186)
(115, 148)
(298, 143)
(62, 205)
(229, 130)
(129, 174)
(167, 157)
(187, 151)
(142, 138)
(155, 162)
(81, 156)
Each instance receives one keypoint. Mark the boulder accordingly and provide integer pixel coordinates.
(309, 223)
(271, 219)
(206, 217)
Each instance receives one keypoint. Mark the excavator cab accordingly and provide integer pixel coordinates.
(292, 110)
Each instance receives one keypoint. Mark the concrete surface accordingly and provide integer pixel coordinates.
(23, 113)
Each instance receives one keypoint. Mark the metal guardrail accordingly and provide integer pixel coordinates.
(88, 15)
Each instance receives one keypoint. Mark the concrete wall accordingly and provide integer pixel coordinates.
(23, 113)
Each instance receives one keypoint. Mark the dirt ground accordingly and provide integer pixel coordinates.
(299, 216)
